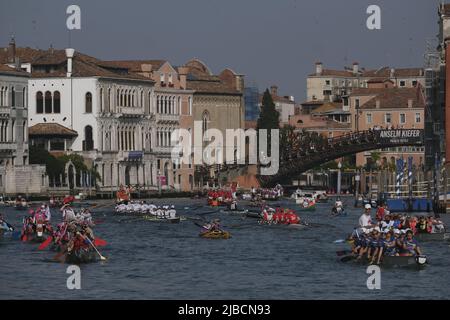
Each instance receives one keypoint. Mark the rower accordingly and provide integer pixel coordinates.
(365, 221)
(172, 212)
(411, 245)
(5, 225)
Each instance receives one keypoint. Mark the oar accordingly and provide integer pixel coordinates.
(90, 242)
(45, 244)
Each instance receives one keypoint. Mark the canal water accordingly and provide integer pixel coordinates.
(152, 260)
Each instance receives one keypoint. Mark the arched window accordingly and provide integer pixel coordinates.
(24, 98)
(56, 102)
(101, 99)
(88, 102)
(13, 97)
(205, 120)
(48, 102)
(109, 100)
(39, 102)
(88, 143)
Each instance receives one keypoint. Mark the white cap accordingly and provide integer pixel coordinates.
(396, 231)
(376, 229)
(368, 206)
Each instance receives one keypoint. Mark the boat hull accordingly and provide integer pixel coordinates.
(215, 235)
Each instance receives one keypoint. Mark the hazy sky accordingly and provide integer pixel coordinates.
(269, 41)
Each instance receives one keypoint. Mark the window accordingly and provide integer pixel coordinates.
(88, 143)
(101, 99)
(327, 82)
(369, 118)
(356, 103)
(388, 118)
(402, 118)
(88, 102)
(56, 102)
(48, 102)
(24, 98)
(417, 117)
(39, 102)
(162, 78)
(402, 83)
(205, 120)
(414, 83)
(13, 97)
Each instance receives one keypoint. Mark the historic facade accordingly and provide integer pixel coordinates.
(218, 103)
(100, 111)
(16, 175)
(173, 110)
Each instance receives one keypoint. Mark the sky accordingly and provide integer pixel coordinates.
(269, 41)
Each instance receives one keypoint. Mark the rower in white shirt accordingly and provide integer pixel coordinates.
(365, 221)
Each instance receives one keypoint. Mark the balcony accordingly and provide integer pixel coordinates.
(165, 150)
(167, 118)
(131, 111)
(7, 146)
(5, 112)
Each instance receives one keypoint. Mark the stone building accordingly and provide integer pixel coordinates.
(336, 85)
(173, 110)
(218, 103)
(377, 108)
(16, 174)
(79, 104)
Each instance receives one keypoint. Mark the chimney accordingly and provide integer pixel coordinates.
(239, 82)
(182, 74)
(69, 54)
(392, 75)
(355, 68)
(319, 68)
(12, 50)
(274, 91)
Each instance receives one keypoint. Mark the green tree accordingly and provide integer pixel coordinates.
(54, 166)
(268, 117)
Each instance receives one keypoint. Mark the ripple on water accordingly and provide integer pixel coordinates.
(147, 260)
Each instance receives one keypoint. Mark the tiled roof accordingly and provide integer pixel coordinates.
(391, 97)
(25, 54)
(327, 107)
(216, 87)
(334, 73)
(312, 102)
(83, 65)
(4, 69)
(200, 79)
(132, 65)
(51, 129)
(384, 72)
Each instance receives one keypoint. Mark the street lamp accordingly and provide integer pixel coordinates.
(339, 178)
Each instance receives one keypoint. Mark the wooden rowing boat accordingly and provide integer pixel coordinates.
(158, 219)
(391, 261)
(215, 234)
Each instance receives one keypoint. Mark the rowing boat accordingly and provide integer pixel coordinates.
(253, 214)
(391, 261)
(234, 211)
(215, 234)
(438, 236)
(158, 219)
